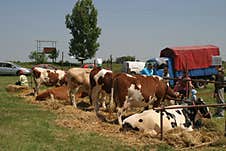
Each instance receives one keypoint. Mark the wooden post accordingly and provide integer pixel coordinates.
(111, 62)
(161, 123)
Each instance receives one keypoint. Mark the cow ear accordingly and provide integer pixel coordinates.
(198, 116)
(140, 120)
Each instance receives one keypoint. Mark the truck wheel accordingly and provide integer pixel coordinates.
(200, 85)
(133, 73)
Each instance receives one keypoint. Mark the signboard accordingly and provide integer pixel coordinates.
(49, 49)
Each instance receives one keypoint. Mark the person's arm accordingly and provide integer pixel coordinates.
(145, 72)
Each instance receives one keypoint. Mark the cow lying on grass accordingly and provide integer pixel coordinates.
(149, 120)
(59, 93)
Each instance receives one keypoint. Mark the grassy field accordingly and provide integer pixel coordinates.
(26, 126)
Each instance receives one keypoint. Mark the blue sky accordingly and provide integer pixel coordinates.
(139, 28)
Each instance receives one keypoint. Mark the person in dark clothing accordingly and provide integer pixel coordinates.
(219, 91)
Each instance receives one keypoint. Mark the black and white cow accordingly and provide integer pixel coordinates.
(149, 120)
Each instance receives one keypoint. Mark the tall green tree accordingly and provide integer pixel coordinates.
(83, 26)
(54, 55)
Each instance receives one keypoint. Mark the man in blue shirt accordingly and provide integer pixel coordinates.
(148, 70)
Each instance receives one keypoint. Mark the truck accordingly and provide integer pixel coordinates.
(200, 62)
(133, 67)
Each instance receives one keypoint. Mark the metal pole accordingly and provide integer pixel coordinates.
(189, 106)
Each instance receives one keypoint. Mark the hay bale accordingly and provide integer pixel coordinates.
(16, 88)
(180, 138)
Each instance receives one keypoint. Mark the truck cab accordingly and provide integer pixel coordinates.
(133, 67)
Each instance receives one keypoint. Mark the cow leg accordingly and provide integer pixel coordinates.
(72, 93)
(36, 89)
(121, 111)
(119, 115)
(52, 97)
(94, 96)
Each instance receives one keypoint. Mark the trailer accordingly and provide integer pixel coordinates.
(199, 61)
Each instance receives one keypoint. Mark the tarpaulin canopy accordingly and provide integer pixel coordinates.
(191, 57)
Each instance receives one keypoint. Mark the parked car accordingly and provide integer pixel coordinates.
(9, 68)
(89, 65)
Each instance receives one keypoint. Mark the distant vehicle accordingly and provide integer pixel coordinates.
(46, 66)
(89, 65)
(9, 68)
(133, 67)
(200, 61)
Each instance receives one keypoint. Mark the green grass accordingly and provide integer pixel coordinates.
(28, 127)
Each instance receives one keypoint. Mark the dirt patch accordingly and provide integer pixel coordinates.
(85, 120)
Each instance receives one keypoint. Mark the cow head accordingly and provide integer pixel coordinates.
(36, 73)
(134, 122)
(53, 77)
(196, 114)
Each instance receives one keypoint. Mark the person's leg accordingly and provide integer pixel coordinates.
(220, 100)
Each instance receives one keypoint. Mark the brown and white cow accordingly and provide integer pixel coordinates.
(100, 86)
(78, 81)
(59, 93)
(48, 77)
(139, 91)
(185, 118)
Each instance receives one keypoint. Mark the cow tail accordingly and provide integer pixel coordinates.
(115, 91)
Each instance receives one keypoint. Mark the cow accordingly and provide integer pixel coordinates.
(48, 77)
(139, 91)
(59, 93)
(185, 118)
(100, 86)
(77, 81)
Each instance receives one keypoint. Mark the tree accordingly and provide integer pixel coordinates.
(53, 55)
(83, 26)
(39, 57)
(125, 58)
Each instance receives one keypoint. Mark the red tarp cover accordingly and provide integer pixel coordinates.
(191, 57)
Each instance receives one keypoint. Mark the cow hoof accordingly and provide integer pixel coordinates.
(121, 129)
(75, 106)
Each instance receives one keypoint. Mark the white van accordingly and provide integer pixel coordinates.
(132, 67)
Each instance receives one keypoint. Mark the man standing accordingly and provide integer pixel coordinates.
(219, 91)
(148, 70)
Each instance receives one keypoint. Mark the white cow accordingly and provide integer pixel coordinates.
(149, 120)
(77, 81)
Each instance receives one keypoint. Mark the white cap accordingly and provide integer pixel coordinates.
(99, 61)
